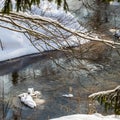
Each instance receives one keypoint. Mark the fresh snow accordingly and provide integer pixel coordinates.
(95, 116)
(14, 45)
(115, 3)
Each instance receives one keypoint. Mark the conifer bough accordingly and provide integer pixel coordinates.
(22, 5)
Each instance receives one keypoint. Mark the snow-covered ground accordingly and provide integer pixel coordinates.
(14, 45)
(115, 3)
(95, 116)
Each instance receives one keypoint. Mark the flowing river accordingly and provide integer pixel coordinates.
(43, 74)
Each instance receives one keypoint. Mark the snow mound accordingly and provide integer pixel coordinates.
(32, 98)
(88, 117)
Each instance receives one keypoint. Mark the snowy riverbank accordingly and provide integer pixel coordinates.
(15, 44)
(88, 117)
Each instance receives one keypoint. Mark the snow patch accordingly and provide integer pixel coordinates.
(115, 3)
(88, 117)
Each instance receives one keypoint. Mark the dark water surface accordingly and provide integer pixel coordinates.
(53, 81)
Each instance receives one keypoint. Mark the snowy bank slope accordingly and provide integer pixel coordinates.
(88, 117)
(14, 44)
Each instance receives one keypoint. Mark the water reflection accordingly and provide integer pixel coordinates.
(53, 82)
(5, 84)
(15, 77)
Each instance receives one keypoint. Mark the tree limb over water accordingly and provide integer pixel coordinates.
(110, 99)
(15, 19)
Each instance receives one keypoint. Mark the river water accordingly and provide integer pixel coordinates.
(53, 81)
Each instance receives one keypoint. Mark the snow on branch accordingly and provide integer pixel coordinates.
(46, 28)
(110, 99)
(103, 93)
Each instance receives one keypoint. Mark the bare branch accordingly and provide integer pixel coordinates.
(47, 21)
